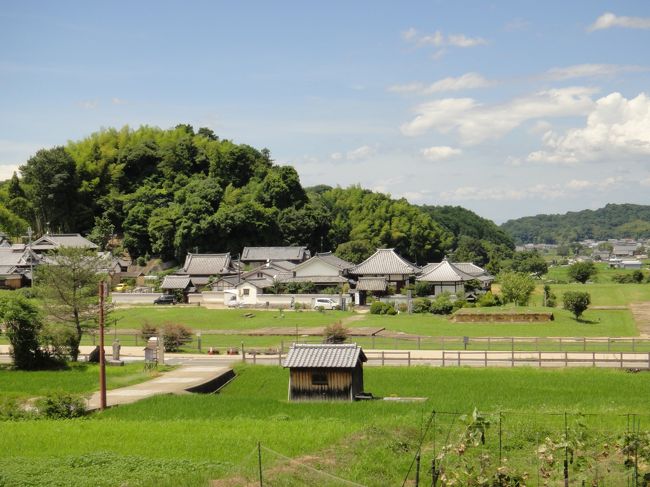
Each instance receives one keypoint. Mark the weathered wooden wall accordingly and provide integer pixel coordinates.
(339, 384)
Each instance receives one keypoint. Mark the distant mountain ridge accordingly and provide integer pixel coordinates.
(612, 221)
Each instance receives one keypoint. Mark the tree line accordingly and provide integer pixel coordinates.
(167, 192)
(612, 221)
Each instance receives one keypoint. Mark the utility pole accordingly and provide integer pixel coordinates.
(102, 358)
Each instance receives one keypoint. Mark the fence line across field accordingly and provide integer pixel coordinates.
(211, 337)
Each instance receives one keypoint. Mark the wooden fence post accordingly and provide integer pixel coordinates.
(409, 358)
(382, 357)
(443, 358)
(419, 347)
(621, 360)
(593, 359)
(560, 344)
(566, 359)
(584, 344)
(459, 358)
(539, 359)
(489, 340)
(512, 357)
(280, 358)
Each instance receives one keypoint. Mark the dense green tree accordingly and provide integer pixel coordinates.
(102, 232)
(51, 179)
(22, 322)
(529, 261)
(582, 271)
(11, 224)
(470, 249)
(355, 251)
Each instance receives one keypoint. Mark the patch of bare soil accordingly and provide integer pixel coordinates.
(641, 315)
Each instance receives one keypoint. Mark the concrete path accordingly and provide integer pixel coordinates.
(180, 381)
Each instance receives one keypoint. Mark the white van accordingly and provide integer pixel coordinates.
(325, 303)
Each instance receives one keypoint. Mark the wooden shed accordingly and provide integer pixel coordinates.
(329, 372)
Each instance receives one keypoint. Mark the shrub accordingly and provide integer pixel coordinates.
(442, 305)
(148, 330)
(11, 410)
(516, 287)
(60, 405)
(423, 288)
(22, 323)
(576, 302)
(488, 300)
(59, 339)
(336, 333)
(175, 336)
(380, 308)
(421, 305)
(402, 307)
(297, 306)
(550, 299)
(624, 278)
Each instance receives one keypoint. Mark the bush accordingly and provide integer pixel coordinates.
(11, 410)
(442, 305)
(297, 306)
(576, 301)
(516, 287)
(148, 330)
(423, 288)
(488, 300)
(336, 333)
(60, 340)
(21, 319)
(380, 308)
(175, 336)
(402, 307)
(61, 405)
(421, 305)
(550, 299)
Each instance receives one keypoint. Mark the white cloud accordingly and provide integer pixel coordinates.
(537, 191)
(439, 39)
(118, 101)
(359, 153)
(88, 104)
(7, 170)
(475, 122)
(590, 71)
(336, 156)
(467, 81)
(616, 129)
(609, 20)
(440, 153)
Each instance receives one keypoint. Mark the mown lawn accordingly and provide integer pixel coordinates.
(79, 378)
(223, 319)
(187, 440)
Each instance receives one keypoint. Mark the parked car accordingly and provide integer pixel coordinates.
(232, 302)
(165, 299)
(121, 287)
(325, 303)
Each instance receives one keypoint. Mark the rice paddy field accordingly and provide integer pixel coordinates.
(517, 432)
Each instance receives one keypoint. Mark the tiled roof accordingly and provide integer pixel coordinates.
(384, 261)
(274, 253)
(445, 271)
(470, 268)
(314, 279)
(340, 356)
(371, 284)
(332, 259)
(50, 241)
(7, 269)
(206, 264)
(176, 282)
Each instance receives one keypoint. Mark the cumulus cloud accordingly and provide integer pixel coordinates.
(440, 153)
(609, 20)
(439, 39)
(590, 71)
(362, 152)
(475, 122)
(616, 129)
(467, 81)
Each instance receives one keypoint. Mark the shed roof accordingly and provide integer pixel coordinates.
(314, 279)
(385, 261)
(207, 264)
(176, 282)
(274, 253)
(372, 284)
(339, 356)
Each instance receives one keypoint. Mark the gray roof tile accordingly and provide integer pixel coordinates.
(176, 282)
(372, 284)
(384, 261)
(206, 264)
(340, 356)
(259, 254)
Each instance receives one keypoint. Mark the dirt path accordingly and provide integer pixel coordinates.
(641, 315)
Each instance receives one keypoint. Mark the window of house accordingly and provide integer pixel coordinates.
(247, 292)
(319, 379)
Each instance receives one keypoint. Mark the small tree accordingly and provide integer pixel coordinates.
(576, 301)
(336, 333)
(22, 321)
(516, 287)
(175, 336)
(582, 271)
(69, 287)
(550, 299)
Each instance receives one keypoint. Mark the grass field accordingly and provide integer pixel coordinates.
(79, 378)
(186, 440)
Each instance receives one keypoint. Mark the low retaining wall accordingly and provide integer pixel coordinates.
(134, 298)
(502, 317)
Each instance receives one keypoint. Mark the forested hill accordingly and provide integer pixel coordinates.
(166, 192)
(612, 221)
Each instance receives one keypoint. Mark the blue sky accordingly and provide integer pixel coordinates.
(509, 108)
